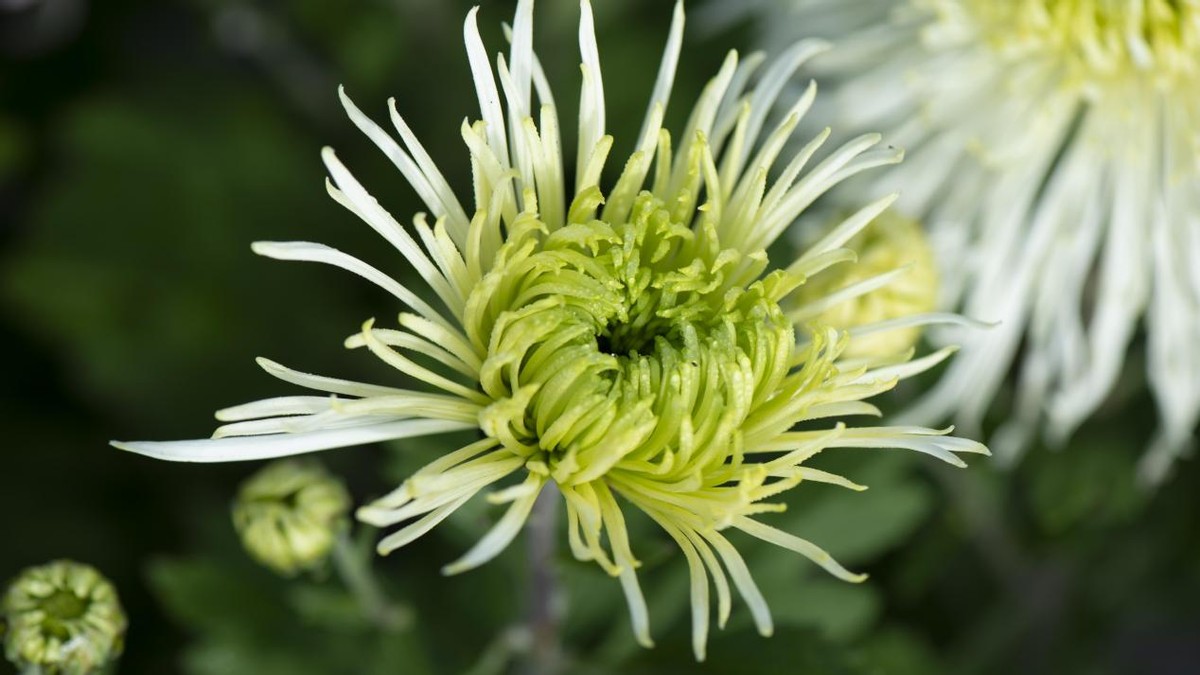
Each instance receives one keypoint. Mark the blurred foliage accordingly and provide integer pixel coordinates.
(145, 145)
(246, 622)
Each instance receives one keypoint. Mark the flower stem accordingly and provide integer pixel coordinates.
(356, 573)
(545, 657)
(500, 652)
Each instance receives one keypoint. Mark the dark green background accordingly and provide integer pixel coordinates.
(145, 144)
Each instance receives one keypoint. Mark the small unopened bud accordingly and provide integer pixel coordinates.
(890, 242)
(62, 618)
(289, 515)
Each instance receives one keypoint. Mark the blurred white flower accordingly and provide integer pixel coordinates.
(1054, 154)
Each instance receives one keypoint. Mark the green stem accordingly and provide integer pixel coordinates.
(356, 573)
(988, 531)
(501, 651)
(545, 657)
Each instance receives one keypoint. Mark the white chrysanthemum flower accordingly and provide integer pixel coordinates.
(1055, 155)
(628, 345)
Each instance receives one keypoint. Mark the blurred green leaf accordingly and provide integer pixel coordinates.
(242, 625)
(233, 657)
(788, 652)
(1093, 482)
(857, 527)
(137, 264)
(14, 146)
(594, 603)
(216, 598)
(327, 607)
(836, 609)
(896, 651)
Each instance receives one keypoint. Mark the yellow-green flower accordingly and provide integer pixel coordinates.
(62, 618)
(289, 515)
(632, 344)
(891, 243)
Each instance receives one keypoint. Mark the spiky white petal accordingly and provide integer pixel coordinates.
(1056, 161)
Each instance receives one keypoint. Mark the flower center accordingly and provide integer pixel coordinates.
(64, 606)
(62, 609)
(1099, 38)
(607, 340)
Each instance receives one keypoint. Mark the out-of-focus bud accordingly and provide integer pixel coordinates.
(62, 618)
(889, 243)
(289, 515)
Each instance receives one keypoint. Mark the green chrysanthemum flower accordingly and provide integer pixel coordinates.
(62, 618)
(891, 246)
(289, 515)
(628, 345)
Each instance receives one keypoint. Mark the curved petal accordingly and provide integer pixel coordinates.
(248, 448)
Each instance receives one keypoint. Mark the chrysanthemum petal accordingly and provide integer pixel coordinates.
(332, 385)
(270, 407)
(240, 449)
(310, 252)
(412, 532)
(849, 227)
(744, 582)
(485, 87)
(790, 541)
(591, 93)
(350, 194)
(661, 94)
(505, 530)
(418, 169)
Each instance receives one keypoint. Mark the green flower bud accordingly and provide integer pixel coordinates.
(890, 242)
(289, 515)
(62, 618)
